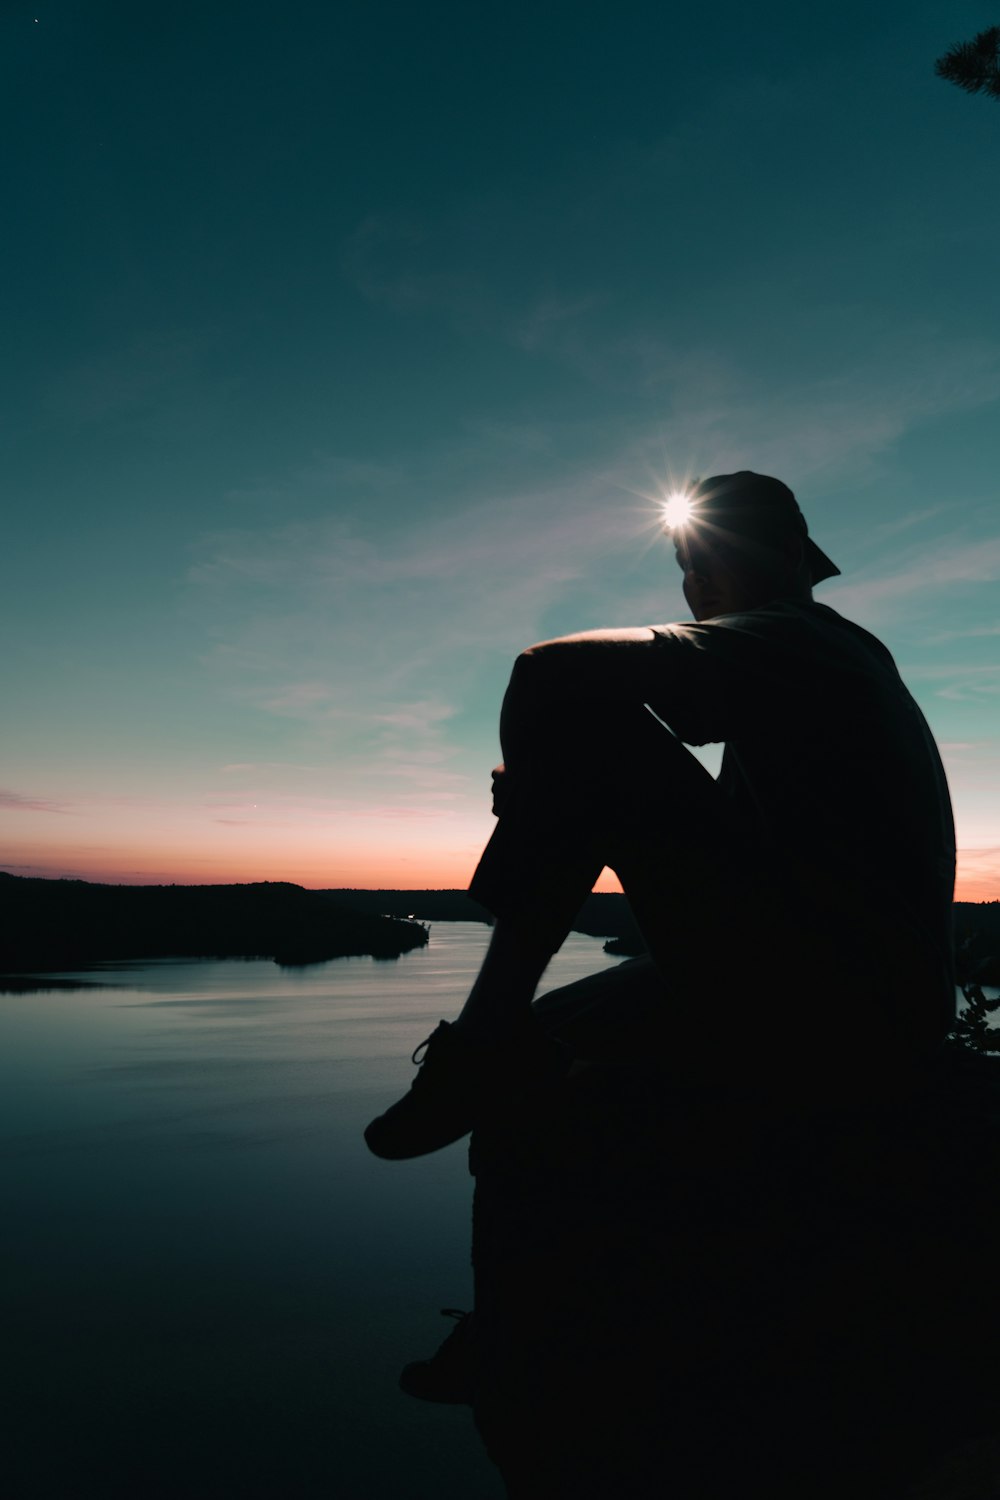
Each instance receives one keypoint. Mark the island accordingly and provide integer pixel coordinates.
(52, 925)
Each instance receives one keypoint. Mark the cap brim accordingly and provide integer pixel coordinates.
(820, 566)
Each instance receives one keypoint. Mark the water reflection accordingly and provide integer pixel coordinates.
(207, 1285)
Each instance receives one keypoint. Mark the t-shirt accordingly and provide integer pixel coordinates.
(831, 768)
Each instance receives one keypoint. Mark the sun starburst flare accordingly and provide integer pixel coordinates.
(676, 509)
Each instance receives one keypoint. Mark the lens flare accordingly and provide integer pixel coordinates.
(676, 509)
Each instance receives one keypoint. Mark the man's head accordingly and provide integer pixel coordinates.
(745, 543)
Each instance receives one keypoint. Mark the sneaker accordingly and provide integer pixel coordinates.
(448, 1375)
(459, 1080)
(441, 1105)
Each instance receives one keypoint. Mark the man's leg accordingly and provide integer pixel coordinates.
(611, 1016)
(581, 789)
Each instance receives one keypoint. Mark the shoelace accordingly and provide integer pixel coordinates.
(413, 1056)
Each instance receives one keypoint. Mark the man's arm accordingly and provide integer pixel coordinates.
(616, 663)
(685, 673)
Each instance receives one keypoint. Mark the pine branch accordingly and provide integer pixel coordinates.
(973, 1027)
(975, 65)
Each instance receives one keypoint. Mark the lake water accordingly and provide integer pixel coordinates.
(208, 1284)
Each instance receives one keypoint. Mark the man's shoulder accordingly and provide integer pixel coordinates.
(795, 616)
(785, 618)
(786, 615)
(791, 627)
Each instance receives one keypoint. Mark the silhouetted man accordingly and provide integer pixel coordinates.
(797, 911)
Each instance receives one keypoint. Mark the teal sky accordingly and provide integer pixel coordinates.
(347, 347)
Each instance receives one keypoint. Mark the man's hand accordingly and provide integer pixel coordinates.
(499, 789)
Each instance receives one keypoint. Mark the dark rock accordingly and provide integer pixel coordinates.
(704, 1304)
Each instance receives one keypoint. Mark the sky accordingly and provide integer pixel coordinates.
(347, 351)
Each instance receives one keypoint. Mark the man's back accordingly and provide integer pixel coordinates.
(833, 774)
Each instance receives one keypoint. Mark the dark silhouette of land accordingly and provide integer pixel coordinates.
(977, 934)
(424, 906)
(64, 924)
(608, 915)
(67, 924)
(977, 941)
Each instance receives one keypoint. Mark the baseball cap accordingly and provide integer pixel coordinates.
(756, 506)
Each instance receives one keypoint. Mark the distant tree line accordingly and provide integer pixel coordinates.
(605, 914)
(52, 925)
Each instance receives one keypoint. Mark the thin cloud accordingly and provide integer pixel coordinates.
(989, 856)
(972, 632)
(16, 802)
(421, 813)
(375, 646)
(545, 324)
(254, 766)
(962, 682)
(979, 869)
(302, 700)
(132, 376)
(964, 692)
(379, 615)
(936, 569)
(886, 529)
(843, 424)
(421, 718)
(255, 822)
(400, 264)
